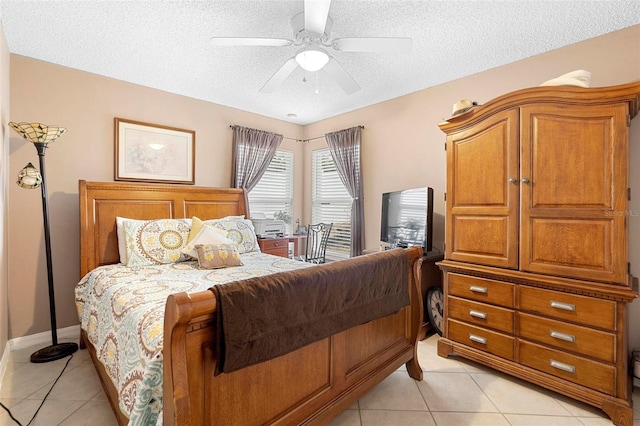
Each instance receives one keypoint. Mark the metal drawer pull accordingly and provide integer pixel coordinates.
(477, 339)
(478, 289)
(562, 366)
(563, 336)
(477, 314)
(563, 306)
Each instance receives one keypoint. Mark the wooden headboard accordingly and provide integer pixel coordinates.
(101, 202)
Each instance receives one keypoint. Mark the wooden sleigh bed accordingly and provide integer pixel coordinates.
(310, 385)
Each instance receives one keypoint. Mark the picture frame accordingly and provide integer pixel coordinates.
(146, 152)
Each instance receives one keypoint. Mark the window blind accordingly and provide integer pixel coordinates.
(331, 203)
(274, 192)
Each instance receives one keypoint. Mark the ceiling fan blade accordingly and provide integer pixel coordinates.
(249, 41)
(316, 13)
(276, 79)
(344, 80)
(373, 44)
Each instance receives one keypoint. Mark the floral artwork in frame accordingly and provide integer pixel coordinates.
(147, 152)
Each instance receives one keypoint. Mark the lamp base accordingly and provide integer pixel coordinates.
(53, 352)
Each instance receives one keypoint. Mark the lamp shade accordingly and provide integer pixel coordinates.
(38, 132)
(312, 58)
(29, 177)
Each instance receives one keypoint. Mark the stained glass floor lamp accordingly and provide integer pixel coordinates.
(41, 135)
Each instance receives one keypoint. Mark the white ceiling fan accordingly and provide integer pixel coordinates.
(311, 29)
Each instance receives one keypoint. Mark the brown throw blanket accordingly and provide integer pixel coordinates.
(264, 317)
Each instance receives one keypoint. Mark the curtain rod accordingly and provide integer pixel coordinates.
(296, 139)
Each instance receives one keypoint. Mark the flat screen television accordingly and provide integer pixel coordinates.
(407, 218)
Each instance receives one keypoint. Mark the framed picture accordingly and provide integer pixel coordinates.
(153, 153)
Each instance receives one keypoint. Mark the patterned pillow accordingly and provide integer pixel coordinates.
(218, 256)
(152, 242)
(122, 241)
(240, 231)
(206, 235)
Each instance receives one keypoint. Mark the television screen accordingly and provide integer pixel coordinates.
(407, 218)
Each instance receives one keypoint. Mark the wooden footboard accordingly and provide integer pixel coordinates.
(308, 386)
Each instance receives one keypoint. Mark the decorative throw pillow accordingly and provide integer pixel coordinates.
(122, 241)
(240, 231)
(152, 242)
(206, 235)
(218, 256)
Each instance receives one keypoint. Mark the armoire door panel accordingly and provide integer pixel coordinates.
(483, 195)
(577, 248)
(481, 239)
(573, 163)
(472, 178)
(585, 146)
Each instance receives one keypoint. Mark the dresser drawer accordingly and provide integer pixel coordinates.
(480, 338)
(274, 246)
(585, 372)
(480, 289)
(481, 314)
(574, 338)
(570, 307)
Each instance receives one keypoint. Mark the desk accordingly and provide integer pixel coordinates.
(280, 246)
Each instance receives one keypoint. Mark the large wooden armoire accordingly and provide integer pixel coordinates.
(536, 272)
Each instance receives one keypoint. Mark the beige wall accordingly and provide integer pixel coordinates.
(402, 146)
(404, 128)
(86, 105)
(4, 205)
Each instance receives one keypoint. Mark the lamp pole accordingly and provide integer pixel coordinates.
(41, 148)
(40, 135)
(56, 350)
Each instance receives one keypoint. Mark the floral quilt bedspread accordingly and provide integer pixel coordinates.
(122, 311)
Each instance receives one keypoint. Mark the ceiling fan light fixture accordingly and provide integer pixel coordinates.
(312, 58)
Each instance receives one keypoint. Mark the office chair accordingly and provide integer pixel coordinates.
(317, 238)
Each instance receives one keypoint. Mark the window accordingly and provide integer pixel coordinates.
(274, 192)
(331, 203)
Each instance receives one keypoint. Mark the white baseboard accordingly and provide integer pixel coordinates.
(3, 363)
(44, 339)
(68, 333)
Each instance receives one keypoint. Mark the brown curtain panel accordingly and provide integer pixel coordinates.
(252, 152)
(345, 150)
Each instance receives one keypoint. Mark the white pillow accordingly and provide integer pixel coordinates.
(206, 235)
(122, 243)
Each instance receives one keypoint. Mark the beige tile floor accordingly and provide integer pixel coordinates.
(454, 392)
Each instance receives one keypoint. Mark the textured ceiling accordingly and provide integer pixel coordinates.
(166, 44)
